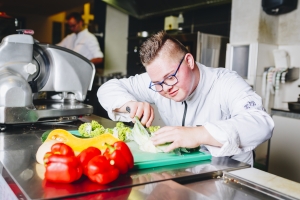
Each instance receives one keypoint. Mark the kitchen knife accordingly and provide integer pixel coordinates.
(138, 123)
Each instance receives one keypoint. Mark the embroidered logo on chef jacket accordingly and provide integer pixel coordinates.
(249, 104)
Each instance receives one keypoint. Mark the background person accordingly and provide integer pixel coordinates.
(82, 41)
(211, 107)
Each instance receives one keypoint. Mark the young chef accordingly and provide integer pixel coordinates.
(211, 107)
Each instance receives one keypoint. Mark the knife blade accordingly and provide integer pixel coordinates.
(138, 123)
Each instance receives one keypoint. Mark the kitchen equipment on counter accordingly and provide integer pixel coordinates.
(28, 68)
(294, 106)
(32, 186)
(208, 178)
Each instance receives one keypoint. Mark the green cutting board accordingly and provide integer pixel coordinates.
(144, 160)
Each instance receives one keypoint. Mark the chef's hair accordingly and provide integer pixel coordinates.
(76, 16)
(160, 41)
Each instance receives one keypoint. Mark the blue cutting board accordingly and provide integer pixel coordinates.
(144, 160)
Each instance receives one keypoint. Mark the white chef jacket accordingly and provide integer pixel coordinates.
(84, 43)
(223, 103)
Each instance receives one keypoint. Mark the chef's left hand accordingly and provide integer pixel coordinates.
(179, 136)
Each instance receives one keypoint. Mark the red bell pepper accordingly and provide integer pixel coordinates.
(119, 155)
(101, 171)
(61, 164)
(63, 149)
(86, 155)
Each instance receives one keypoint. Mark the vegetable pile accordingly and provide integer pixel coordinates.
(94, 129)
(62, 166)
(121, 131)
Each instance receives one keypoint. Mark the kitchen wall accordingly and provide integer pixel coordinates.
(250, 24)
(116, 31)
(289, 40)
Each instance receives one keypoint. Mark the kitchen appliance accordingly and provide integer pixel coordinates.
(294, 106)
(30, 71)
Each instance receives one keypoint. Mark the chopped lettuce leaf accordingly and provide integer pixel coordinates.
(152, 129)
(121, 131)
(141, 136)
(109, 130)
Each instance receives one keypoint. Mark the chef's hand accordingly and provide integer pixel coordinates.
(142, 110)
(179, 136)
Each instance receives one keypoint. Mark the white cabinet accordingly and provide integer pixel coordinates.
(284, 154)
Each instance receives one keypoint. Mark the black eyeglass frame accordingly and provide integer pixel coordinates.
(163, 82)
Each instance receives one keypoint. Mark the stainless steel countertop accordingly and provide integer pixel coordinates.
(285, 113)
(18, 146)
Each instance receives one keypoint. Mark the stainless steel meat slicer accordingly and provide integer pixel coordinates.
(30, 71)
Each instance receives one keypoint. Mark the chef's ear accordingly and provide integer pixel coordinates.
(190, 60)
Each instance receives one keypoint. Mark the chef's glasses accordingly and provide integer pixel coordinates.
(170, 80)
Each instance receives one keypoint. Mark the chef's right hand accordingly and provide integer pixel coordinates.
(143, 110)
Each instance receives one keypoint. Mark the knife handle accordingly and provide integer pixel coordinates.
(128, 109)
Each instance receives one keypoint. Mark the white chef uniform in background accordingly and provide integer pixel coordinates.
(84, 43)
